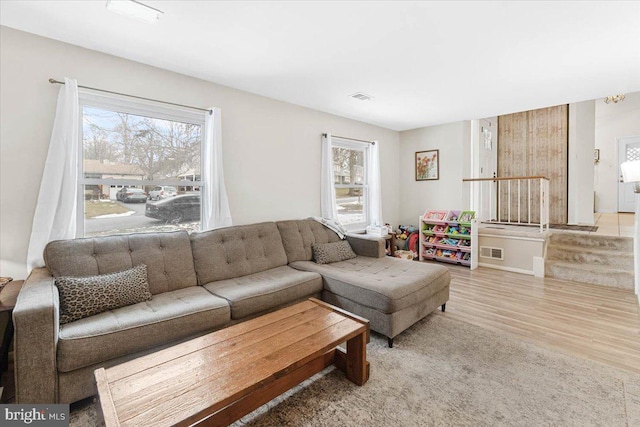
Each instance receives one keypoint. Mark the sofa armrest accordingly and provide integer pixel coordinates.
(367, 245)
(36, 322)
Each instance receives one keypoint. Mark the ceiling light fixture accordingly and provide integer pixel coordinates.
(614, 98)
(135, 9)
(361, 96)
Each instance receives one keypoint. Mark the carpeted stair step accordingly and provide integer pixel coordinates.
(594, 274)
(623, 244)
(591, 256)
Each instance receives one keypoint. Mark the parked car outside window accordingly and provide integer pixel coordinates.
(120, 193)
(128, 195)
(176, 209)
(162, 191)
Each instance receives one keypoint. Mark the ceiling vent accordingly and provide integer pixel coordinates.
(361, 96)
(493, 253)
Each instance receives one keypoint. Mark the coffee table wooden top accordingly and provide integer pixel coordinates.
(188, 382)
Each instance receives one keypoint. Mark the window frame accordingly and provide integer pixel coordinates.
(365, 187)
(156, 110)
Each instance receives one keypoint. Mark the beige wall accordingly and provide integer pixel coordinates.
(613, 121)
(454, 141)
(271, 148)
(518, 252)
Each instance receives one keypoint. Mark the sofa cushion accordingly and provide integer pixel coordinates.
(87, 296)
(237, 251)
(384, 284)
(252, 294)
(166, 317)
(298, 235)
(167, 257)
(326, 253)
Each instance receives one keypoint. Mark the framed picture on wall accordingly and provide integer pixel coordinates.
(427, 165)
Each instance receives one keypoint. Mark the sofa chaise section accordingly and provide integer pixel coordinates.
(392, 293)
(247, 266)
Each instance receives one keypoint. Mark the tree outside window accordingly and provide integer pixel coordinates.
(127, 155)
(350, 183)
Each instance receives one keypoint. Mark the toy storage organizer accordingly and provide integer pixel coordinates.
(449, 236)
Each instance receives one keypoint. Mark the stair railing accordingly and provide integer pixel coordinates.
(519, 200)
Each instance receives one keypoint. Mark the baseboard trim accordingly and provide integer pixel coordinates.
(511, 269)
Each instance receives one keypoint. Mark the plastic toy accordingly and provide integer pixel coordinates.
(450, 242)
(439, 229)
(466, 216)
(435, 215)
(453, 230)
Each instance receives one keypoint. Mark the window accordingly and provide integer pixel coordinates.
(140, 167)
(350, 164)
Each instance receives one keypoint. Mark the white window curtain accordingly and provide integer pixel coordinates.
(327, 192)
(215, 211)
(55, 215)
(375, 185)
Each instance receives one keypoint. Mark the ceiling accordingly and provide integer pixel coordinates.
(424, 63)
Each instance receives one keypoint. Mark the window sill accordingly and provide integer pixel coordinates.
(358, 230)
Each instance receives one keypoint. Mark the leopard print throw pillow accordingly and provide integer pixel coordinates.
(325, 253)
(85, 296)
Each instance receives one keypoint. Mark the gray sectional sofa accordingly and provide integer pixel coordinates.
(202, 282)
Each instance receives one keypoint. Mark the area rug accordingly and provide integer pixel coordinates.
(445, 372)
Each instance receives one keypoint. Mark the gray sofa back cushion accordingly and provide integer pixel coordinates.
(227, 253)
(299, 235)
(167, 256)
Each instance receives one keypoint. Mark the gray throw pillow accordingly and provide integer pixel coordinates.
(86, 296)
(325, 253)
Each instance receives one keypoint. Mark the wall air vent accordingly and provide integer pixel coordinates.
(493, 253)
(361, 96)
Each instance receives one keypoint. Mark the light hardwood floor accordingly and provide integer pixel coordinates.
(589, 321)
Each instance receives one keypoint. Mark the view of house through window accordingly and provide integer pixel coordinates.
(350, 182)
(140, 173)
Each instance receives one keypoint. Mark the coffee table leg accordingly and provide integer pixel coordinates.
(357, 367)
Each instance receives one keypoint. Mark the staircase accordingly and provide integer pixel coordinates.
(600, 260)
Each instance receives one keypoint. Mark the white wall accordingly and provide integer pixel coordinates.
(449, 192)
(613, 121)
(271, 148)
(582, 118)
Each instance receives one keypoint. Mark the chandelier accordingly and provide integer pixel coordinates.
(614, 98)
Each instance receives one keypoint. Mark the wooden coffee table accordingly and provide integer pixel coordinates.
(220, 377)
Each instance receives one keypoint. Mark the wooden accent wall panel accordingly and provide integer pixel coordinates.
(535, 143)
